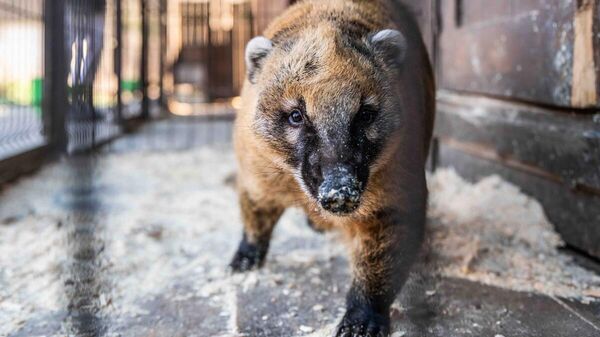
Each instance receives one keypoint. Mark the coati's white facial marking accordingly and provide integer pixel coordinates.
(292, 135)
(289, 104)
(371, 100)
(372, 133)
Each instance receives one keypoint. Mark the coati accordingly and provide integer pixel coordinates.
(337, 117)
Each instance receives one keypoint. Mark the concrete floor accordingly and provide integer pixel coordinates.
(304, 298)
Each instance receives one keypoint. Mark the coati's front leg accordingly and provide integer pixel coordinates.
(385, 249)
(259, 220)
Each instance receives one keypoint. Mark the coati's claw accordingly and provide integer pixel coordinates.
(363, 324)
(248, 257)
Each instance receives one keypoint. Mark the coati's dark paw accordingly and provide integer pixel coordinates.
(363, 323)
(242, 263)
(248, 257)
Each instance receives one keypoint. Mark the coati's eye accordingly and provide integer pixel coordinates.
(366, 116)
(296, 118)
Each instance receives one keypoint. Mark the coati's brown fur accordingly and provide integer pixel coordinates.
(365, 102)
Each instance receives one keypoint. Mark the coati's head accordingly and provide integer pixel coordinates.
(327, 105)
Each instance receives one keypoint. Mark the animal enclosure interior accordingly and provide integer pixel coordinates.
(118, 201)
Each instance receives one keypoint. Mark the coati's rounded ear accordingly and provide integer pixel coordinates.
(390, 45)
(256, 50)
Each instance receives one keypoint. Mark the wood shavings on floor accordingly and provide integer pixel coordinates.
(166, 224)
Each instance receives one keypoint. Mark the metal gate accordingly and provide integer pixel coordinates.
(21, 80)
(74, 74)
(209, 41)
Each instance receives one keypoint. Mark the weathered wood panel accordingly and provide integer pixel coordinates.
(565, 146)
(596, 37)
(522, 49)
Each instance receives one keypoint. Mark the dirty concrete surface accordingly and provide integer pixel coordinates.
(135, 242)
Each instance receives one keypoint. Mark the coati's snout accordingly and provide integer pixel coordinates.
(336, 185)
(340, 190)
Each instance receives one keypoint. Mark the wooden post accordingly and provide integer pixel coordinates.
(584, 92)
(162, 13)
(144, 64)
(118, 56)
(55, 100)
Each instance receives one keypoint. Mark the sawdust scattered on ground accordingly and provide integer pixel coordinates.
(492, 233)
(168, 223)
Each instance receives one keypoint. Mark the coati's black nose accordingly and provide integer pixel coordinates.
(340, 191)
